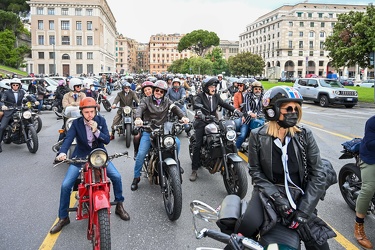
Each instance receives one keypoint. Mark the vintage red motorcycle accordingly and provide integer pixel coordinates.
(93, 196)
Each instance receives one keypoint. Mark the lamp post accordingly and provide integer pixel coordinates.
(54, 60)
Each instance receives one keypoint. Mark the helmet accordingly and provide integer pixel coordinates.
(15, 81)
(219, 75)
(257, 84)
(213, 81)
(87, 102)
(129, 79)
(126, 84)
(277, 95)
(74, 82)
(176, 80)
(160, 84)
(147, 84)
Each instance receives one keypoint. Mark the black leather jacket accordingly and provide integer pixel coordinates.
(260, 163)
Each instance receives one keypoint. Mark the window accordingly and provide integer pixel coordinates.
(311, 53)
(321, 46)
(300, 53)
(290, 33)
(309, 15)
(78, 25)
(51, 11)
(65, 57)
(65, 40)
(78, 12)
(79, 68)
(65, 25)
(301, 24)
(320, 15)
(40, 40)
(290, 53)
(330, 15)
(301, 33)
(51, 24)
(322, 53)
(41, 55)
(321, 34)
(311, 44)
(311, 34)
(51, 69)
(41, 69)
(52, 40)
(299, 14)
(64, 11)
(300, 44)
(321, 63)
(290, 24)
(290, 44)
(40, 25)
(89, 25)
(90, 68)
(79, 40)
(311, 24)
(39, 11)
(89, 40)
(322, 24)
(51, 55)
(88, 12)
(90, 55)
(300, 62)
(79, 55)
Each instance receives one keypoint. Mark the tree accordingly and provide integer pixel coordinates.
(352, 39)
(15, 6)
(219, 63)
(10, 21)
(9, 54)
(246, 64)
(198, 41)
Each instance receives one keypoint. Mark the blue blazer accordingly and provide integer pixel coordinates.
(78, 131)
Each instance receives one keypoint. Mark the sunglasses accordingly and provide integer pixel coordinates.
(290, 109)
(257, 88)
(77, 86)
(159, 91)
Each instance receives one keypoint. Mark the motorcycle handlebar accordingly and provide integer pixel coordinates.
(236, 241)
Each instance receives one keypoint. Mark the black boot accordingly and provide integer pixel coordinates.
(135, 182)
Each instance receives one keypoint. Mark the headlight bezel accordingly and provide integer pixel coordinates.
(231, 135)
(127, 110)
(169, 141)
(27, 114)
(98, 158)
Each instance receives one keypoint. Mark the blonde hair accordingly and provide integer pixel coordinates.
(273, 126)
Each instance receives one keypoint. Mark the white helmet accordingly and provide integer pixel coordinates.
(15, 80)
(176, 80)
(87, 83)
(74, 82)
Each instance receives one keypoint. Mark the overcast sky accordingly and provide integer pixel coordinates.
(140, 19)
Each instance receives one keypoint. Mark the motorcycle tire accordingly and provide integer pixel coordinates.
(128, 135)
(7, 139)
(237, 183)
(107, 105)
(102, 231)
(38, 123)
(32, 139)
(350, 183)
(191, 146)
(173, 194)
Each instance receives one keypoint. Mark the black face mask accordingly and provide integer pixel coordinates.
(290, 120)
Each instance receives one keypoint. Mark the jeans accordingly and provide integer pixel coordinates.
(144, 147)
(40, 106)
(70, 178)
(244, 129)
(238, 123)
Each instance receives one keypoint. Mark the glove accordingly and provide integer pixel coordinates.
(185, 120)
(138, 122)
(36, 103)
(61, 157)
(298, 218)
(238, 113)
(94, 125)
(4, 107)
(113, 106)
(281, 204)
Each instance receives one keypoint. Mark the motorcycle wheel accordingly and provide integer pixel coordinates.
(128, 135)
(107, 105)
(173, 194)
(191, 146)
(32, 139)
(350, 183)
(38, 123)
(237, 182)
(7, 139)
(102, 231)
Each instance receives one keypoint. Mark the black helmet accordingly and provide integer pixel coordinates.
(273, 98)
(213, 81)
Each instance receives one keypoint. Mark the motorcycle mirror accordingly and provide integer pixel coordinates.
(203, 211)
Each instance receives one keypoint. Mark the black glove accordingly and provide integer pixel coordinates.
(281, 204)
(298, 218)
(238, 113)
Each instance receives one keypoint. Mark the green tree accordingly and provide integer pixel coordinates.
(198, 41)
(246, 64)
(15, 6)
(352, 39)
(9, 54)
(219, 63)
(10, 21)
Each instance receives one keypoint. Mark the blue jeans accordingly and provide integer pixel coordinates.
(244, 129)
(144, 147)
(238, 123)
(70, 178)
(40, 106)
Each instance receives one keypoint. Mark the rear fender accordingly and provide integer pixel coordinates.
(100, 200)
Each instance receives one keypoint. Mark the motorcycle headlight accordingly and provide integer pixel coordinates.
(68, 123)
(98, 158)
(127, 109)
(26, 114)
(168, 141)
(231, 135)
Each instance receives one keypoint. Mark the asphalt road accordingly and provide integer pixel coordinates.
(30, 188)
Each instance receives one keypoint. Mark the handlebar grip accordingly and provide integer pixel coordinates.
(219, 236)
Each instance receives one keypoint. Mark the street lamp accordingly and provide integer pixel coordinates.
(54, 60)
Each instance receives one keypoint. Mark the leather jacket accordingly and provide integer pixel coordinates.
(260, 164)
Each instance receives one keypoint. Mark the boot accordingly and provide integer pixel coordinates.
(359, 234)
(59, 225)
(120, 211)
(193, 175)
(135, 182)
(112, 135)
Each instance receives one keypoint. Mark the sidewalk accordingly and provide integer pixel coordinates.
(365, 105)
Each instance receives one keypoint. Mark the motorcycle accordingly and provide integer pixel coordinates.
(257, 122)
(350, 175)
(57, 108)
(126, 125)
(102, 98)
(226, 217)
(21, 128)
(179, 128)
(37, 121)
(162, 166)
(93, 196)
(219, 152)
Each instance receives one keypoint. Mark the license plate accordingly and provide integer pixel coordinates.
(349, 99)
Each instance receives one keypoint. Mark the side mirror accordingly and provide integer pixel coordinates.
(204, 212)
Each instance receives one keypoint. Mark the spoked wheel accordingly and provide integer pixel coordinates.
(173, 193)
(101, 239)
(32, 139)
(350, 183)
(107, 105)
(38, 123)
(237, 182)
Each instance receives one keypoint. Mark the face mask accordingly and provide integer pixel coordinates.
(92, 88)
(290, 120)
(176, 87)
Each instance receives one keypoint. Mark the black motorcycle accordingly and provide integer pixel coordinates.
(179, 127)
(102, 98)
(126, 125)
(219, 152)
(37, 121)
(162, 167)
(350, 175)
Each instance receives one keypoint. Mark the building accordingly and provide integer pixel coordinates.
(143, 58)
(229, 48)
(126, 54)
(291, 39)
(72, 37)
(163, 51)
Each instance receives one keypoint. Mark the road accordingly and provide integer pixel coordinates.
(30, 188)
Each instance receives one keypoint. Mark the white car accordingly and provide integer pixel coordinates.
(366, 83)
(52, 84)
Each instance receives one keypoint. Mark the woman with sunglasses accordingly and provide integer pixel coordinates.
(278, 171)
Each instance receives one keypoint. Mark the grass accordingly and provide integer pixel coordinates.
(16, 71)
(364, 94)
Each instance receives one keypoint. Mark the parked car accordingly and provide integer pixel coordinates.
(367, 83)
(326, 92)
(51, 84)
(347, 82)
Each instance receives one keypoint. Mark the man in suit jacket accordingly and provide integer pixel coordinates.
(210, 101)
(91, 132)
(12, 97)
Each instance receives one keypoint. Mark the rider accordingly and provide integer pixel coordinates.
(90, 132)
(154, 107)
(12, 97)
(126, 97)
(210, 101)
(234, 87)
